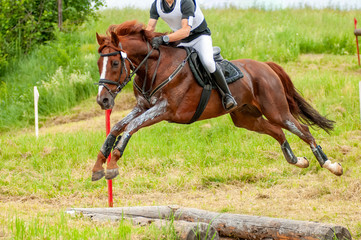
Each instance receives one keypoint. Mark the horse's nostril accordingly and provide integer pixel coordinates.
(105, 100)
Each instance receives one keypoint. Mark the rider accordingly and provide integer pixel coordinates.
(186, 20)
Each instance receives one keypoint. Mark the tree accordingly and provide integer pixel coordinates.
(25, 23)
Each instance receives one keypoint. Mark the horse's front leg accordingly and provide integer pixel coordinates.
(153, 115)
(98, 170)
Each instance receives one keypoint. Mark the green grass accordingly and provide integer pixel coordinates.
(224, 168)
(55, 225)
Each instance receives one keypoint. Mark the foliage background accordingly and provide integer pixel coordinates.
(33, 49)
(26, 23)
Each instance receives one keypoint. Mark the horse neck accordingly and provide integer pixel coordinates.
(146, 70)
(137, 52)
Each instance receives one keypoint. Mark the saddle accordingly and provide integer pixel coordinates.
(204, 79)
(230, 71)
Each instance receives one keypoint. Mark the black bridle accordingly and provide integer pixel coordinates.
(127, 79)
(150, 92)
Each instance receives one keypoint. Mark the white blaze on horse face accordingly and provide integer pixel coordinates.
(104, 71)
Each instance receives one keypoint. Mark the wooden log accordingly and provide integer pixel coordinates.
(261, 228)
(156, 212)
(228, 225)
(185, 230)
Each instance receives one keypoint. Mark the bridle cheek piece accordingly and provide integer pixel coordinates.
(104, 81)
(123, 57)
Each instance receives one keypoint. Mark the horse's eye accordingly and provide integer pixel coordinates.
(115, 63)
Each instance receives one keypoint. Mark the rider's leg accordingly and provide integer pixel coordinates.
(227, 99)
(203, 45)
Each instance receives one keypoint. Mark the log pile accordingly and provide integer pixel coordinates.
(190, 223)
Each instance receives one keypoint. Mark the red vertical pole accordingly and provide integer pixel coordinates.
(110, 183)
(358, 51)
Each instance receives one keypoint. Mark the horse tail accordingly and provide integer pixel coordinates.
(299, 107)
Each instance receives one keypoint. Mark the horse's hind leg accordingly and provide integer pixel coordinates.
(302, 131)
(263, 126)
(288, 122)
(275, 107)
(321, 157)
(301, 162)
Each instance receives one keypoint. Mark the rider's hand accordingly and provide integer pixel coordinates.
(157, 41)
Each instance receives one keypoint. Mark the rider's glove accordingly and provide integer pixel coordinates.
(157, 41)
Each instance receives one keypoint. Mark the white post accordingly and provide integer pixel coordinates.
(36, 99)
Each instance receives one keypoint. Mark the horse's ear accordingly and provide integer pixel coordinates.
(115, 39)
(100, 39)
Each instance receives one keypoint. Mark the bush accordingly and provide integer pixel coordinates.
(26, 23)
(62, 70)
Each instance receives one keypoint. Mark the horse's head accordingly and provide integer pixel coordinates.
(115, 64)
(114, 70)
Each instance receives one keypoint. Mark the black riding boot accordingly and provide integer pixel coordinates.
(227, 99)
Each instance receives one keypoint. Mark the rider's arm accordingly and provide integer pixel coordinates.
(181, 33)
(188, 13)
(151, 24)
(187, 8)
(153, 14)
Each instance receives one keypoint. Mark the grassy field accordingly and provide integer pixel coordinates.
(210, 164)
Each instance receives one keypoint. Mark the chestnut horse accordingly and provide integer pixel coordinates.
(267, 99)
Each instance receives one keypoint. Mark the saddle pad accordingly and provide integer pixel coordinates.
(230, 71)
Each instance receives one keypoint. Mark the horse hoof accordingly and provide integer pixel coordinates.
(111, 173)
(98, 175)
(302, 162)
(335, 168)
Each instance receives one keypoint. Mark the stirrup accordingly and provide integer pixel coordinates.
(233, 104)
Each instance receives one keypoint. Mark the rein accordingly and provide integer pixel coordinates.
(146, 94)
(165, 82)
(142, 91)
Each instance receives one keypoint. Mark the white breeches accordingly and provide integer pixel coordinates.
(203, 46)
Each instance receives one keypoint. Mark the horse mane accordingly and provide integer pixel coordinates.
(133, 27)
